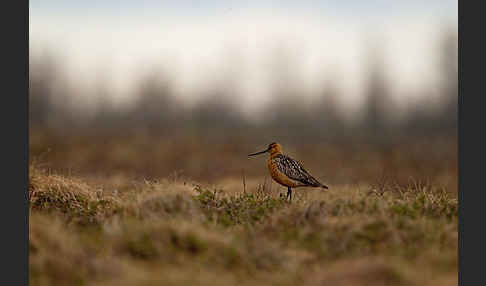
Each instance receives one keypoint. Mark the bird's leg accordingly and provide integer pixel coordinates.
(289, 194)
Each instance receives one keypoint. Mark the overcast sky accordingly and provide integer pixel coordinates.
(202, 42)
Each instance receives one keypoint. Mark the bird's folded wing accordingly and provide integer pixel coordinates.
(294, 170)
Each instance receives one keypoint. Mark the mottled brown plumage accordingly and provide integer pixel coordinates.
(287, 171)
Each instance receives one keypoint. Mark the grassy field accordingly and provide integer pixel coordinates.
(123, 212)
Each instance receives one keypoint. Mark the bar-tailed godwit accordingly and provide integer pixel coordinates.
(287, 171)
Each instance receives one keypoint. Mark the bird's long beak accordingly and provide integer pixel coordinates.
(258, 153)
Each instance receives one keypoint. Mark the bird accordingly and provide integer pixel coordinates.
(287, 171)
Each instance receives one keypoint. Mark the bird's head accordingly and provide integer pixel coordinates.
(273, 149)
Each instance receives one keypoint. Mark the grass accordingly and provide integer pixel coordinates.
(210, 160)
(176, 232)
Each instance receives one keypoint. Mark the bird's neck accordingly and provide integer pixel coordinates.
(275, 154)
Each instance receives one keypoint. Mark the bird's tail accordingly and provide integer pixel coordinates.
(316, 183)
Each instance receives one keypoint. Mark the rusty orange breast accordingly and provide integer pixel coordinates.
(278, 176)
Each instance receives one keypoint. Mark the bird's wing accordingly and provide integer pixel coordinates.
(295, 170)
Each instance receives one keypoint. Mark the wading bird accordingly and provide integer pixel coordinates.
(287, 171)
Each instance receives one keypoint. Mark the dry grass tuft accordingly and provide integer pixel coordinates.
(73, 198)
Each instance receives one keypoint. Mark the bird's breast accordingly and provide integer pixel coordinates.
(278, 176)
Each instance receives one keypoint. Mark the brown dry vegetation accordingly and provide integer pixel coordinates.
(211, 160)
(126, 218)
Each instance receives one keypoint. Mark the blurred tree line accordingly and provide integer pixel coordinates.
(157, 110)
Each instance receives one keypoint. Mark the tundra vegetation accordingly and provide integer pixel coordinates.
(388, 218)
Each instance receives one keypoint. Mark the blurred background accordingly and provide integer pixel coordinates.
(357, 90)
